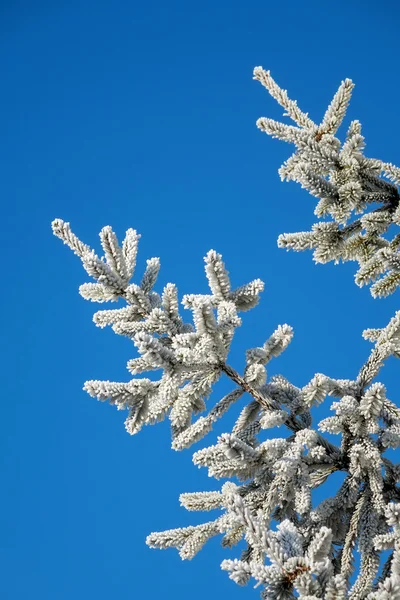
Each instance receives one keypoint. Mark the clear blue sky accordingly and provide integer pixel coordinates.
(142, 114)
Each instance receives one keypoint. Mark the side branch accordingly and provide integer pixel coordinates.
(264, 402)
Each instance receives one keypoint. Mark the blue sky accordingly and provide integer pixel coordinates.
(143, 115)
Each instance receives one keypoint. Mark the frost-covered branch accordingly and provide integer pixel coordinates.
(346, 183)
(278, 474)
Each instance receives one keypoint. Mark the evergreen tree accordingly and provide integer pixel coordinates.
(292, 548)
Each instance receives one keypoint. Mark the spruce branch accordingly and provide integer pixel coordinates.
(346, 183)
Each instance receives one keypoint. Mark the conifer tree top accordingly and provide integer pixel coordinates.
(292, 548)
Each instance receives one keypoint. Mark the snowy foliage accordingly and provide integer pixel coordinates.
(289, 547)
(346, 183)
